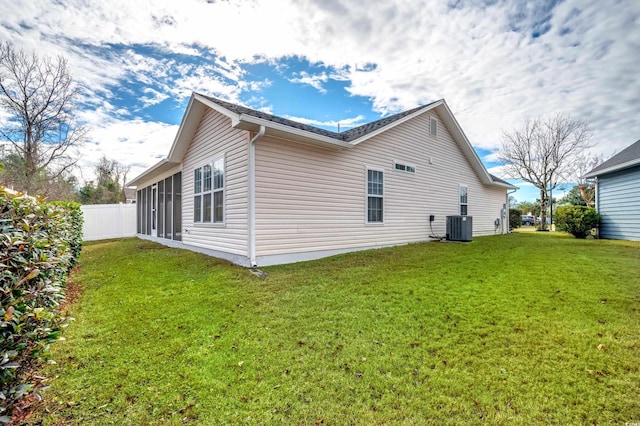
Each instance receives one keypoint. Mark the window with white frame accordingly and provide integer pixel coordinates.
(208, 192)
(404, 167)
(375, 193)
(463, 200)
(434, 127)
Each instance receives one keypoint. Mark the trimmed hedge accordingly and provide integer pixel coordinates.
(576, 220)
(515, 218)
(39, 245)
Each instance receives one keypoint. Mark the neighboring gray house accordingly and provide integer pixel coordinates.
(618, 194)
(258, 189)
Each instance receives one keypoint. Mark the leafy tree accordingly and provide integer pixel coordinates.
(38, 95)
(527, 207)
(577, 220)
(573, 198)
(542, 151)
(109, 186)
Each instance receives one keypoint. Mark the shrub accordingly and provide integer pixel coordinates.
(69, 222)
(576, 220)
(515, 218)
(39, 244)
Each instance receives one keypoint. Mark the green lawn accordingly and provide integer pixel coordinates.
(525, 328)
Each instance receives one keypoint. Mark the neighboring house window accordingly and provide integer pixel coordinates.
(208, 193)
(434, 127)
(404, 167)
(463, 200)
(375, 206)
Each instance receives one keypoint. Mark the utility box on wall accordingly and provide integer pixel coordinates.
(459, 228)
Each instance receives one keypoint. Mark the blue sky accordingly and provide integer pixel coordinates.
(330, 62)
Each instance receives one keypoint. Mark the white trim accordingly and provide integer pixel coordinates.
(270, 260)
(450, 123)
(212, 191)
(223, 189)
(367, 195)
(612, 169)
(161, 208)
(154, 209)
(251, 228)
(399, 121)
(198, 103)
(405, 164)
(596, 200)
(214, 106)
(187, 128)
(460, 203)
(164, 207)
(158, 168)
(292, 131)
(282, 259)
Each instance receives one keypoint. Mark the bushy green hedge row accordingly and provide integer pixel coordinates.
(39, 244)
(577, 220)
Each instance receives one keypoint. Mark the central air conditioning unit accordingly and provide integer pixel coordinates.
(459, 228)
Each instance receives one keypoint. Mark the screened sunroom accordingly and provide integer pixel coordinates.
(159, 208)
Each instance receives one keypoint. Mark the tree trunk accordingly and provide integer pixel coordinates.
(543, 210)
(587, 192)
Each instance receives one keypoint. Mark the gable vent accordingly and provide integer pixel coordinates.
(434, 127)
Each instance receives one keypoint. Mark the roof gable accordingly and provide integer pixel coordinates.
(252, 120)
(628, 157)
(346, 136)
(240, 110)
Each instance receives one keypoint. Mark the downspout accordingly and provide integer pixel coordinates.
(252, 195)
(596, 197)
(596, 203)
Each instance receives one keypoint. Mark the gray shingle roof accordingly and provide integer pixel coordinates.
(360, 131)
(346, 136)
(628, 154)
(497, 179)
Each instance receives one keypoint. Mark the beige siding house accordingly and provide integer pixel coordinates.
(260, 190)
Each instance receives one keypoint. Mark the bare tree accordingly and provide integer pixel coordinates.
(542, 151)
(111, 176)
(39, 96)
(112, 173)
(584, 163)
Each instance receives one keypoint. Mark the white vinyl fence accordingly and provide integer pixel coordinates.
(104, 221)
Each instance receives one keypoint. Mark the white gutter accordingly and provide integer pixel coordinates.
(246, 118)
(596, 202)
(611, 169)
(596, 195)
(150, 170)
(252, 195)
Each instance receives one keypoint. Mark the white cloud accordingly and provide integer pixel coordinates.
(152, 97)
(483, 58)
(135, 143)
(492, 157)
(314, 81)
(209, 84)
(4, 117)
(345, 124)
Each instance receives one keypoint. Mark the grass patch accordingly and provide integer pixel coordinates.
(523, 328)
